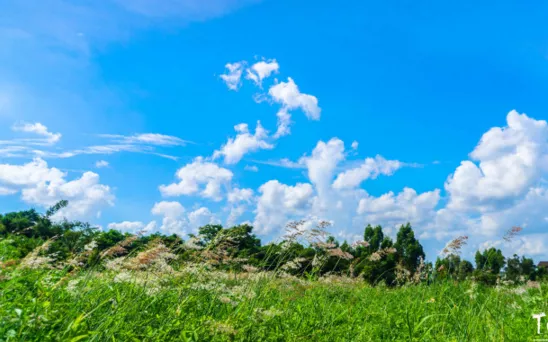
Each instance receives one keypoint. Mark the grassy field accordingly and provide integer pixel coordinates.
(193, 303)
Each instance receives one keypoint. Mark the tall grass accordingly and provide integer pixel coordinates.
(196, 303)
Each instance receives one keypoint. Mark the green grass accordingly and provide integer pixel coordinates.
(196, 304)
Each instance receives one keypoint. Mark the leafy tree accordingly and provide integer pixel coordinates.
(373, 236)
(465, 269)
(518, 268)
(242, 241)
(209, 232)
(408, 248)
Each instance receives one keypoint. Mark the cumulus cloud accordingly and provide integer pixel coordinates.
(45, 186)
(240, 195)
(347, 206)
(279, 202)
(370, 169)
(176, 220)
(505, 164)
(233, 76)
(245, 142)
(199, 177)
(290, 97)
(262, 70)
(322, 163)
(407, 206)
(133, 227)
(165, 208)
(284, 123)
(200, 217)
(173, 221)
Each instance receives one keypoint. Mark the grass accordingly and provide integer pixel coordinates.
(194, 303)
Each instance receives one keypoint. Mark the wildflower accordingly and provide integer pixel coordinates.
(225, 300)
(533, 284)
(431, 300)
(360, 244)
(193, 244)
(90, 246)
(249, 268)
(337, 252)
(520, 290)
(222, 328)
(473, 291)
(34, 260)
(115, 250)
(375, 256)
(72, 285)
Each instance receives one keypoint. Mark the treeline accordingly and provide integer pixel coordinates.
(301, 252)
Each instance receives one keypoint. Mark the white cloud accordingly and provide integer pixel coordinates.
(349, 208)
(284, 123)
(262, 70)
(284, 162)
(171, 209)
(38, 129)
(45, 186)
(233, 77)
(355, 145)
(392, 210)
(370, 169)
(279, 202)
(252, 168)
(322, 163)
(200, 217)
(510, 161)
(138, 143)
(30, 174)
(288, 94)
(240, 195)
(245, 142)
(148, 139)
(205, 178)
(101, 163)
(133, 226)
(173, 221)
(7, 191)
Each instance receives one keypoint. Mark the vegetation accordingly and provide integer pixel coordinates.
(69, 281)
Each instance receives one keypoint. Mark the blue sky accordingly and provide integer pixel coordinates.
(104, 104)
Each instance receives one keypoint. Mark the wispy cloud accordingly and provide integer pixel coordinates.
(38, 129)
(148, 138)
(284, 162)
(147, 143)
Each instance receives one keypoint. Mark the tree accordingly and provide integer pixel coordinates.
(488, 265)
(465, 269)
(209, 232)
(517, 268)
(409, 250)
(241, 240)
(480, 260)
(494, 260)
(373, 236)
